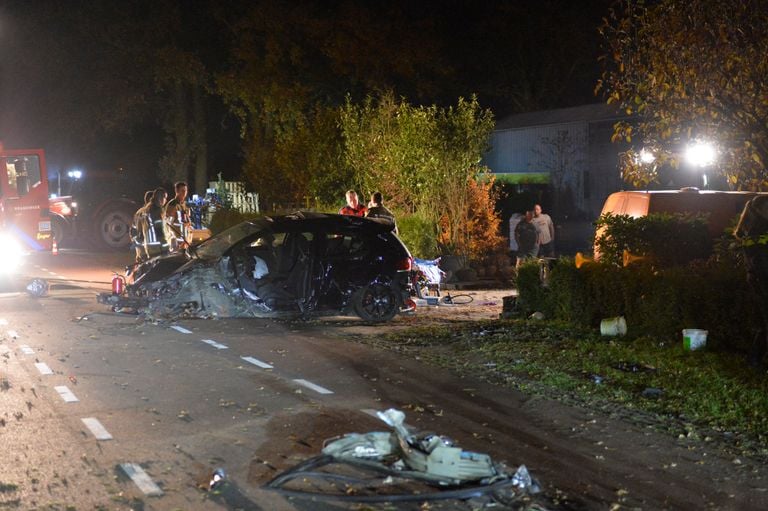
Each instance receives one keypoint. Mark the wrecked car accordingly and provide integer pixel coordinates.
(299, 264)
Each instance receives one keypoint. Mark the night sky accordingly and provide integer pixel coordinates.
(86, 80)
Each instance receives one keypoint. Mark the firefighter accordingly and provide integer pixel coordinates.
(752, 231)
(153, 226)
(178, 217)
(137, 234)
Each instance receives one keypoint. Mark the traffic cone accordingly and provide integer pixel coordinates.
(55, 248)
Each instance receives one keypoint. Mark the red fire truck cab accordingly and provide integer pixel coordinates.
(24, 214)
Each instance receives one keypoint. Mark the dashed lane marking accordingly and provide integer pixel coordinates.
(181, 329)
(99, 431)
(141, 479)
(26, 350)
(13, 334)
(66, 394)
(257, 362)
(215, 344)
(44, 269)
(43, 368)
(313, 386)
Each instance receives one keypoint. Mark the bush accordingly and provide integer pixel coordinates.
(419, 234)
(659, 302)
(667, 239)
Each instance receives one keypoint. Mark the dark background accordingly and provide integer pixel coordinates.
(90, 81)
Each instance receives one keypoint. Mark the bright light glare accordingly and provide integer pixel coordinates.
(647, 157)
(10, 255)
(701, 154)
(75, 174)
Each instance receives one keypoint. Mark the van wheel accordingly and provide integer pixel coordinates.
(376, 302)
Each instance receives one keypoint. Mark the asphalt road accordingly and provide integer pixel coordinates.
(89, 397)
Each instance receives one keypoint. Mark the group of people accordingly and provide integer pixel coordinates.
(375, 208)
(533, 235)
(161, 226)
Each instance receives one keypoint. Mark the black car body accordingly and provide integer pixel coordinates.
(299, 264)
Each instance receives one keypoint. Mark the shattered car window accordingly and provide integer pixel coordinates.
(216, 246)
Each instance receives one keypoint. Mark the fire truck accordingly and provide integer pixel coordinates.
(25, 221)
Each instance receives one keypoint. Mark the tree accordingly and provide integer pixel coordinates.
(425, 160)
(291, 61)
(690, 70)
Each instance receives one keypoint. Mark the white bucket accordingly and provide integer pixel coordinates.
(613, 326)
(694, 339)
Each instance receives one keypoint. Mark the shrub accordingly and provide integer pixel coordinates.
(659, 302)
(668, 239)
(419, 233)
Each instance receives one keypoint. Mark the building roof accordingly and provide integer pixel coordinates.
(593, 112)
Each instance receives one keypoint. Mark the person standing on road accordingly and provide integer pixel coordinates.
(546, 229)
(752, 231)
(376, 209)
(353, 207)
(527, 237)
(177, 214)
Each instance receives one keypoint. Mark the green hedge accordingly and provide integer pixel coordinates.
(710, 295)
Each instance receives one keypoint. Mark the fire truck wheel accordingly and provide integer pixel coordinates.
(112, 227)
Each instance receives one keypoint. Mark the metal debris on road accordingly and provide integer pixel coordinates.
(38, 288)
(406, 460)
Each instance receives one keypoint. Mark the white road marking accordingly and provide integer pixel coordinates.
(215, 344)
(43, 368)
(312, 386)
(44, 269)
(3, 322)
(53, 273)
(181, 329)
(141, 479)
(96, 428)
(26, 350)
(66, 394)
(257, 362)
(13, 334)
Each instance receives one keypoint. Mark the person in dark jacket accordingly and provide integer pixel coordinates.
(376, 209)
(527, 237)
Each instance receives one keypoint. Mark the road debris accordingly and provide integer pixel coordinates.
(395, 466)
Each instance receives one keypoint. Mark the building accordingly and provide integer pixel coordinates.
(568, 149)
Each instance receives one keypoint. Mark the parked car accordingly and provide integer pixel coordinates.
(299, 264)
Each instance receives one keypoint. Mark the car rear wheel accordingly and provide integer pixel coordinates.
(376, 302)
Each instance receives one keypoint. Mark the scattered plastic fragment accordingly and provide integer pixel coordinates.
(217, 479)
(597, 379)
(537, 316)
(38, 288)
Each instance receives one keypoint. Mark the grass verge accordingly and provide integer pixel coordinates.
(699, 394)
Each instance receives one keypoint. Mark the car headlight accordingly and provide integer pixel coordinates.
(11, 254)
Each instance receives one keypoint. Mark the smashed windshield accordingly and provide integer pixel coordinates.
(215, 247)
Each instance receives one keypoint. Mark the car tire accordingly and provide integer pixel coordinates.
(376, 302)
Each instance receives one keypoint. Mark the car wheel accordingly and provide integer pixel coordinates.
(376, 302)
